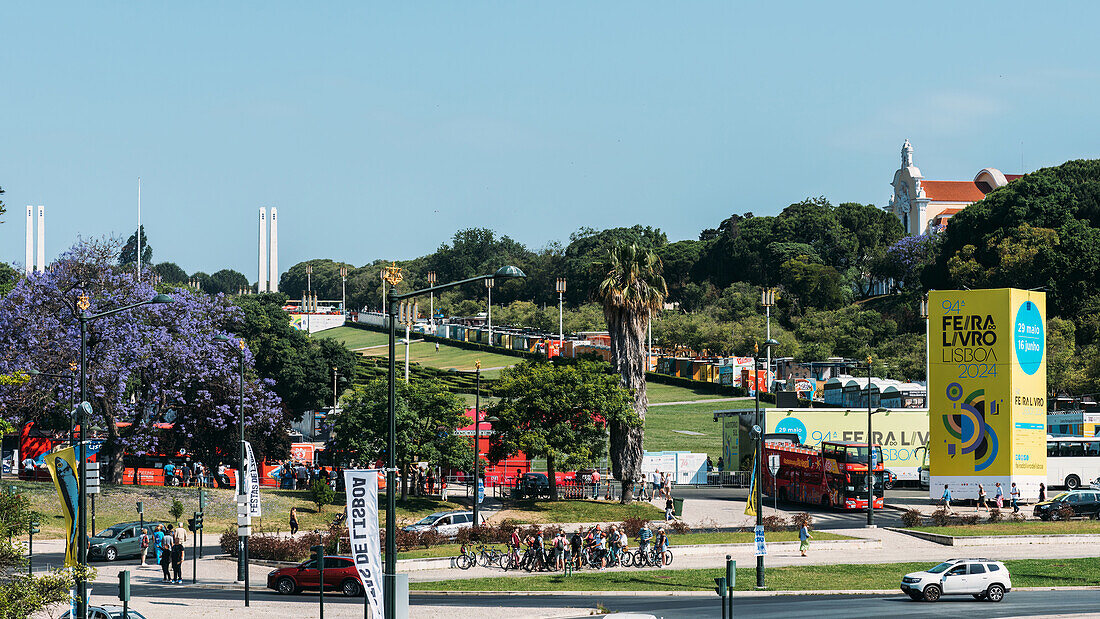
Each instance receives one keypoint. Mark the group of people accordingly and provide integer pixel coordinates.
(193, 473)
(998, 497)
(603, 548)
(295, 475)
(167, 543)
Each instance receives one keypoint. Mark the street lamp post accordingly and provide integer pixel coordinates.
(767, 298)
(344, 290)
(431, 303)
(242, 540)
(489, 283)
(477, 443)
(71, 377)
(82, 412)
(560, 287)
(871, 452)
(759, 472)
(309, 280)
(390, 569)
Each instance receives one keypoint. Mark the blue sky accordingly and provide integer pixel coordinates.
(378, 130)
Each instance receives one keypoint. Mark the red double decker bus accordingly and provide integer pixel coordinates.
(833, 475)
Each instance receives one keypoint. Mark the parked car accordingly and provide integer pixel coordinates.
(447, 524)
(107, 611)
(984, 579)
(1084, 503)
(889, 479)
(533, 485)
(340, 574)
(121, 541)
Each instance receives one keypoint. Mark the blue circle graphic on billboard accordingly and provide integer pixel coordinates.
(1028, 337)
(791, 425)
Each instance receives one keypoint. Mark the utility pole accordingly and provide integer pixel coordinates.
(344, 290)
(431, 303)
(489, 284)
(560, 287)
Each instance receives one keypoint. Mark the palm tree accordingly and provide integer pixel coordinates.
(632, 289)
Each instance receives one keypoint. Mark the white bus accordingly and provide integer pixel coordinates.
(1072, 461)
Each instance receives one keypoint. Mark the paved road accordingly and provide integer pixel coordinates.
(824, 519)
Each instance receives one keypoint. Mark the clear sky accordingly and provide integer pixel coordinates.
(378, 129)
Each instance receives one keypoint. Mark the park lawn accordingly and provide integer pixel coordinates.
(118, 504)
(1027, 527)
(661, 423)
(543, 512)
(1025, 573)
(448, 357)
(659, 392)
(354, 338)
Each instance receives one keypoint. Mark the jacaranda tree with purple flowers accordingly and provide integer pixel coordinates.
(157, 380)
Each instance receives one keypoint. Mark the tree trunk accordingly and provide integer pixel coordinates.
(551, 474)
(111, 450)
(627, 330)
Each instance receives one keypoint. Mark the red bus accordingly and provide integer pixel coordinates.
(833, 475)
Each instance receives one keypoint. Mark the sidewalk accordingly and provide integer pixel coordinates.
(927, 505)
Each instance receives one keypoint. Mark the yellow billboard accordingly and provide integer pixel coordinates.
(987, 391)
(900, 432)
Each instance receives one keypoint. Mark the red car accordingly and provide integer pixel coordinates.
(340, 575)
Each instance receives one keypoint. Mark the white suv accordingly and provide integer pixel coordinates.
(984, 579)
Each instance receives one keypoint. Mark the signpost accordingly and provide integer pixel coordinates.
(773, 467)
(124, 591)
(724, 587)
(317, 553)
(30, 544)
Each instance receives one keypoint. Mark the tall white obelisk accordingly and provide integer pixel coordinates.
(273, 279)
(40, 264)
(29, 264)
(261, 283)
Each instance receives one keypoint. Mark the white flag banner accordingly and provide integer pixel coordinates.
(252, 483)
(366, 548)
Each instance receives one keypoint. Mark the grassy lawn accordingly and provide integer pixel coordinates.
(1029, 527)
(118, 504)
(1025, 573)
(538, 512)
(355, 338)
(449, 357)
(658, 392)
(661, 423)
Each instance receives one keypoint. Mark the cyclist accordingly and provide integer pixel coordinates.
(624, 543)
(559, 550)
(643, 539)
(515, 545)
(599, 548)
(613, 545)
(661, 545)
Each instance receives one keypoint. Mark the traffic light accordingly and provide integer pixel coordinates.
(317, 553)
(198, 520)
(124, 586)
(34, 527)
(720, 586)
(141, 507)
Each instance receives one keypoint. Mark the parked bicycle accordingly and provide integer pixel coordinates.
(466, 558)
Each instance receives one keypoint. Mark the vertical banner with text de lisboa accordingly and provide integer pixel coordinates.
(987, 390)
(63, 469)
(366, 548)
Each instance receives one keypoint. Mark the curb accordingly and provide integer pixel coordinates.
(998, 540)
(707, 593)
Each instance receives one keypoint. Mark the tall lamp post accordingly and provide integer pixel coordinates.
(927, 345)
(560, 287)
(759, 472)
(489, 283)
(871, 452)
(344, 290)
(82, 411)
(390, 569)
(71, 377)
(242, 538)
(431, 303)
(767, 299)
(477, 443)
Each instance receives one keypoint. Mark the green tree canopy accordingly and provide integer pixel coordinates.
(557, 411)
(128, 255)
(427, 416)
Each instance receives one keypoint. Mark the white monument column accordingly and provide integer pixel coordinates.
(29, 264)
(273, 285)
(261, 283)
(40, 264)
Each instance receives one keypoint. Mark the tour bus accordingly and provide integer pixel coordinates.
(833, 475)
(1072, 461)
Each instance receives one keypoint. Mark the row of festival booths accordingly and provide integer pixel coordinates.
(852, 392)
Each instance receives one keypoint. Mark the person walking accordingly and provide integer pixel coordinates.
(804, 538)
(166, 554)
(947, 499)
(179, 537)
(999, 496)
(1042, 492)
(144, 545)
(669, 509)
(1014, 493)
(185, 474)
(158, 540)
(981, 499)
(293, 520)
(595, 485)
(668, 486)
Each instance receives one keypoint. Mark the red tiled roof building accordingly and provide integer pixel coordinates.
(924, 205)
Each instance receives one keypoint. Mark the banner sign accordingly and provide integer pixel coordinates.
(252, 483)
(987, 393)
(63, 470)
(366, 548)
